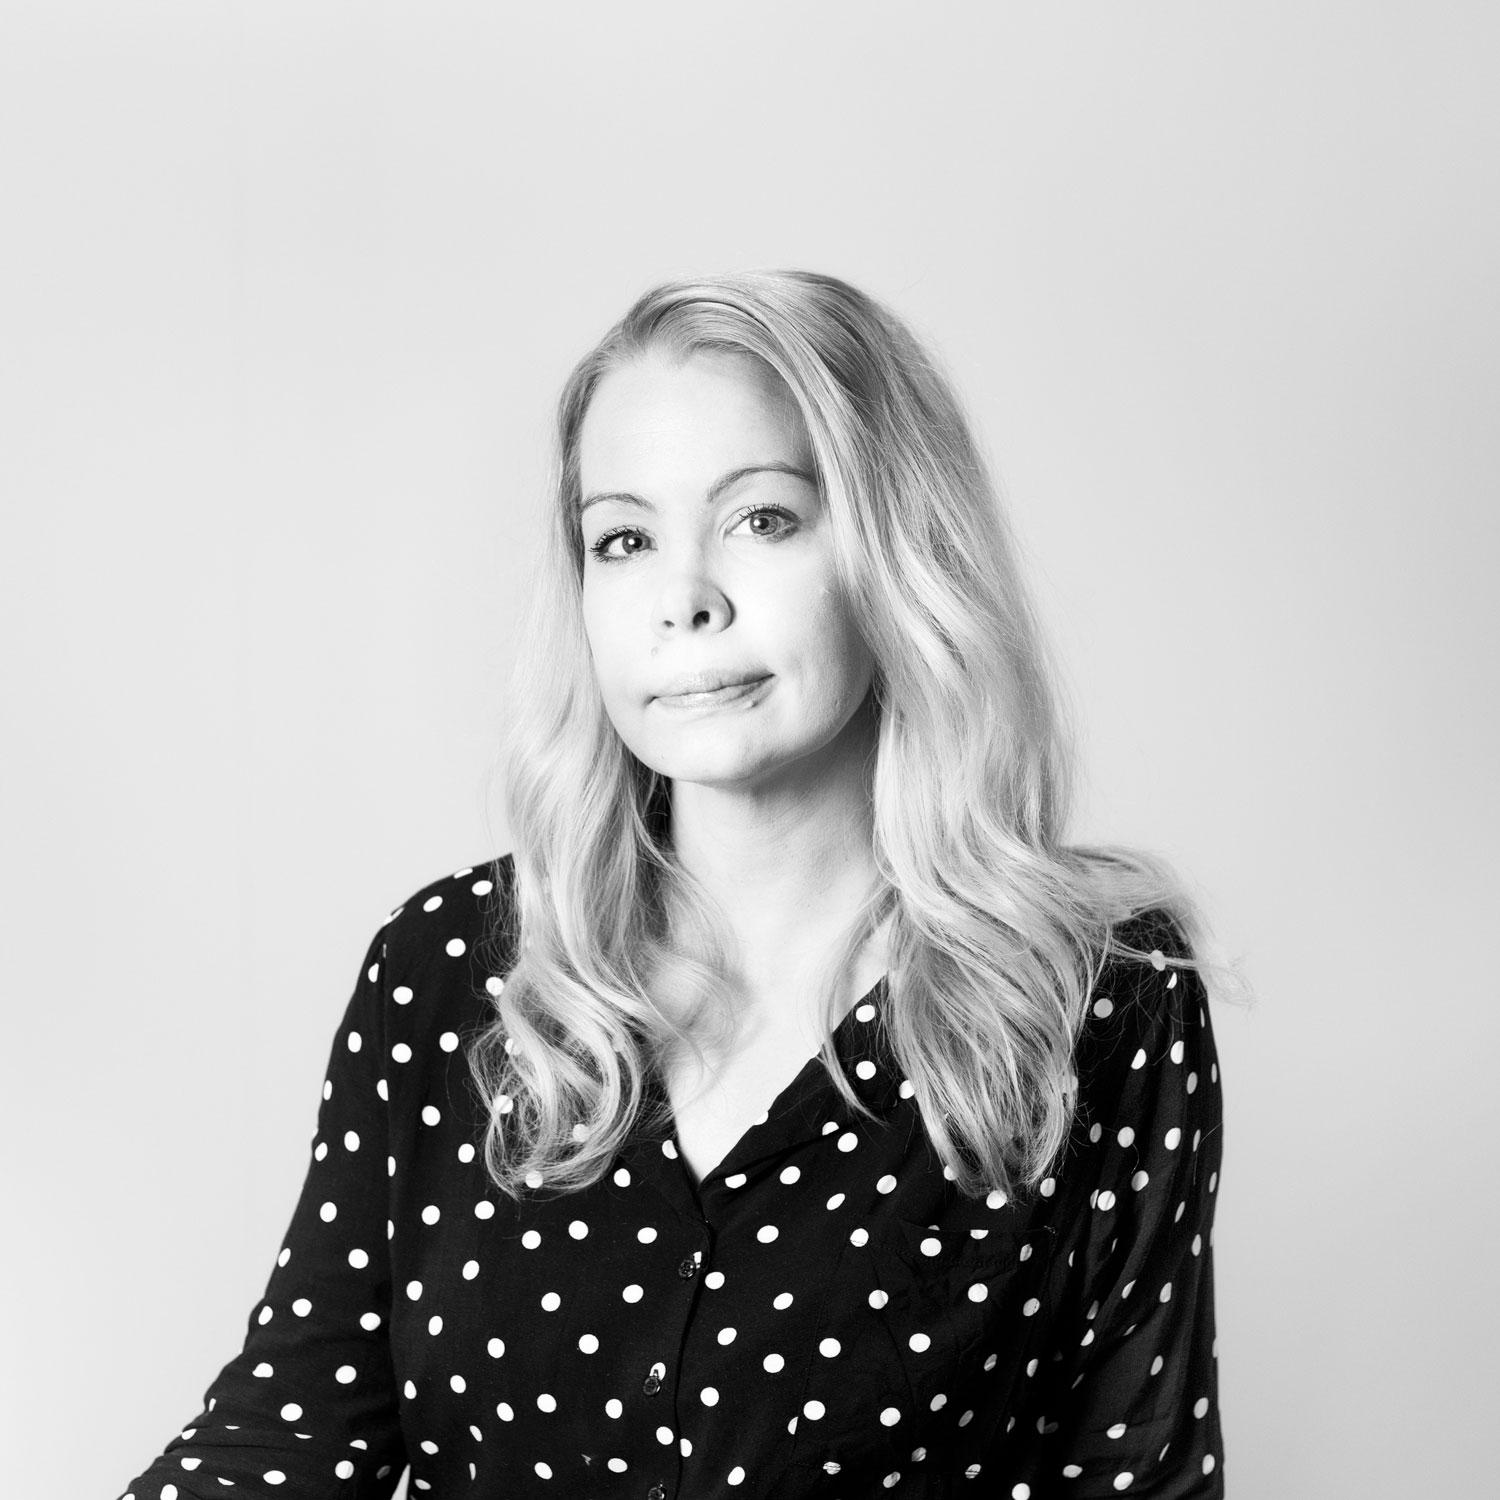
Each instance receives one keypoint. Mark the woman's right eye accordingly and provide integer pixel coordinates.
(600, 548)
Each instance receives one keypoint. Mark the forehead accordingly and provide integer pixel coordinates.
(691, 418)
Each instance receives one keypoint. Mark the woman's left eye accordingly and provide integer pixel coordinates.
(772, 513)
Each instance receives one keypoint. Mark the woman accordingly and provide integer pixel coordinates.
(793, 1112)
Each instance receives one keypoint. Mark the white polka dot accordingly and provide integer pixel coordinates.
(454, 947)
(328, 1212)
(887, 1184)
(714, 1280)
(402, 994)
(1071, 1471)
(401, 1053)
(543, 1470)
(789, 1175)
(588, 1343)
(369, 1321)
(494, 984)
(632, 1293)
(434, 1325)
(978, 1292)
(782, 1301)
(484, 1209)
(931, 1246)
(848, 1141)
(1192, 1082)
(431, 1214)
(919, 1343)
(907, 1089)
(290, 1412)
(1048, 1187)
(356, 1041)
(343, 1469)
(1104, 1007)
(471, 1269)
(496, 1348)
(1031, 1307)
(413, 1289)
(613, 1408)
(1020, 1492)
(836, 1201)
(1106, 1200)
(736, 1180)
(735, 1476)
(646, 1235)
(546, 1403)
(995, 1199)
(1139, 1180)
(829, 1348)
(1124, 1481)
(531, 1239)
(1208, 1463)
(878, 1299)
(264, 1317)
(320, 1151)
(1139, 1060)
(578, 1229)
(664, 1436)
(865, 1069)
(504, 1412)
(1176, 1053)
(859, 1236)
(1200, 1407)
(551, 1301)
(709, 1396)
(728, 1335)
(864, 1012)
(448, 1041)
(766, 1233)
(457, 1384)
(274, 1476)
(773, 1364)
(889, 1417)
(351, 1140)
(1165, 1295)
(1116, 1432)
(813, 1410)
(618, 1466)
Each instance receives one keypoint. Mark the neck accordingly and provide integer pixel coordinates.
(790, 860)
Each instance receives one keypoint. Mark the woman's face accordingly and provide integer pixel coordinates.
(708, 564)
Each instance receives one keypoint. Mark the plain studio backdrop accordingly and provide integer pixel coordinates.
(287, 291)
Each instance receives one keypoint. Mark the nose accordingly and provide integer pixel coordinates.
(690, 602)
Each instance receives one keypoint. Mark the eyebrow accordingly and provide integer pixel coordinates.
(715, 490)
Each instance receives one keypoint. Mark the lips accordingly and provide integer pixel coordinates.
(708, 682)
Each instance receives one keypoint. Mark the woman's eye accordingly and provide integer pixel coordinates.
(783, 521)
(600, 548)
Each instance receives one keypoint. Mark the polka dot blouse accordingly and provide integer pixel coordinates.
(824, 1315)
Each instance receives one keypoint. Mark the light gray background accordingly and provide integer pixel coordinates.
(286, 293)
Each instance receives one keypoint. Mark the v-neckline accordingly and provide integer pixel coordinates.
(793, 1090)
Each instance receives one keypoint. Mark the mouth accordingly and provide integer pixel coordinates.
(711, 696)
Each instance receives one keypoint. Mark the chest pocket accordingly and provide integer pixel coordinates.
(925, 1332)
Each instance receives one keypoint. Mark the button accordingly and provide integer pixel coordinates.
(651, 1385)
(688, 1268)
(657, 1492)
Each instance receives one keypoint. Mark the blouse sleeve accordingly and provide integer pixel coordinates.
(308, 1407)
(1142, 1415)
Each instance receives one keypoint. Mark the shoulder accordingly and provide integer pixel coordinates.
(1146, 1024)
(440, 955)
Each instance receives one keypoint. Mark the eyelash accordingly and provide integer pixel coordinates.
(598, 547)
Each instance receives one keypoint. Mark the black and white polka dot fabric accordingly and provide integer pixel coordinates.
(823, 1316)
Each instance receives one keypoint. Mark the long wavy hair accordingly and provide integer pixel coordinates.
(997, 928)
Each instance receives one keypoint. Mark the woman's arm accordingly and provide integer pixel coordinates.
(308, 1408)
(1141, 1415)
